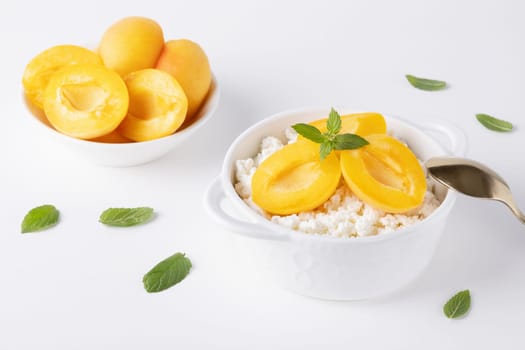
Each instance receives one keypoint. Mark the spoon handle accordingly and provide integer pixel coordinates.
(518, 213)
(509, 202)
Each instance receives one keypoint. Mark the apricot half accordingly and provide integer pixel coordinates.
(39, 70)
(157, 105)
(294, 179)
(187, 62)
(131, 44)
(112, 137)
(385, 174)
(85, 100)
(362, 124)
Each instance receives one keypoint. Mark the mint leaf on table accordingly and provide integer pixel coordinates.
(458, 305)
(167, 273)
(124, 217)
(330, 140)
(426, 84)
(40, 218)
(494, 124)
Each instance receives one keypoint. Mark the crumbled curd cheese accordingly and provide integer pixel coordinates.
(342, 215)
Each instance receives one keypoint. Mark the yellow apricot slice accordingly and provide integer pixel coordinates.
(362, 124)
(157, 105)
(131, 44)
(85, 100)
(295, 179)
(187, 62)
(385, 174)
(42, 66)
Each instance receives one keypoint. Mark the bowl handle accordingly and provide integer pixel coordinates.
(213, 199)
(455, 136)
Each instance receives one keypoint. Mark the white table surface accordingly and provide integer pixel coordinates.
(78, 285)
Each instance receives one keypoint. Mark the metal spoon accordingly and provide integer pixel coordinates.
(473, 179)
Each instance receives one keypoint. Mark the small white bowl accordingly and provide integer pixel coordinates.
(337, 268)
(126, 154)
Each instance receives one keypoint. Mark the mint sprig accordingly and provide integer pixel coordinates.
(331, 139)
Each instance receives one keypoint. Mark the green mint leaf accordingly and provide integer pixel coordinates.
(310, 132)
(334, 122)
(125, 217)
(40, 218)
(330, 140)
(426, 84)
(325, 149)
(458, 305)
(167, 273)
(494, 124)
(349, 141)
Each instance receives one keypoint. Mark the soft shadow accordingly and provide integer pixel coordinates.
(479, 245)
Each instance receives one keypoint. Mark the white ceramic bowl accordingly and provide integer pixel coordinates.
(126, 154)
(337, 268)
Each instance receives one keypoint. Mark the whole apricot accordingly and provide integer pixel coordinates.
(187, 62)
(131, 44)
(42, 66)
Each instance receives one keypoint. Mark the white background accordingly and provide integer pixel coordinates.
(78, 285)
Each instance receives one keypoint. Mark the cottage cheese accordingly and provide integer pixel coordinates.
(342, 215)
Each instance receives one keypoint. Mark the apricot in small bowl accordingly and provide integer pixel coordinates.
(113, 149)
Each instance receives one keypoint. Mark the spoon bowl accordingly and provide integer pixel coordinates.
(473, 179)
